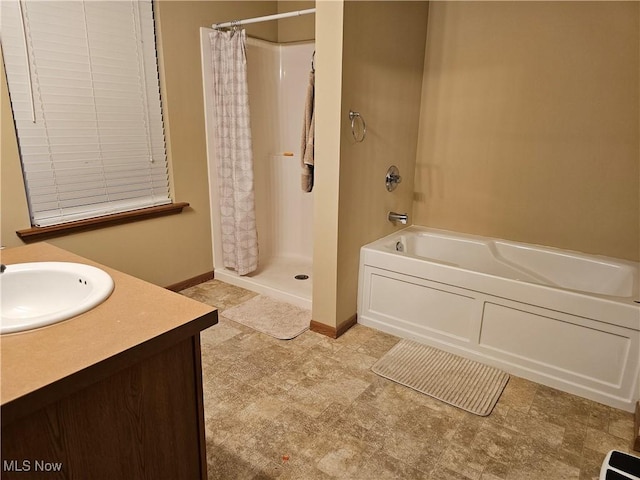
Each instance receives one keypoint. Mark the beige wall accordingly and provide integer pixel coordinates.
(169, 249)
(296, 29)
(224, 11)
(328, 60)
(382, 61)
(14, 211)
(529, 125)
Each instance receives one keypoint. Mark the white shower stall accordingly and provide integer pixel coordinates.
(278, 76)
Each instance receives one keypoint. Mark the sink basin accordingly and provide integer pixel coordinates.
(41, 293)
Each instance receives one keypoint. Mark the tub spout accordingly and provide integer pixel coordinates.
(402, 218)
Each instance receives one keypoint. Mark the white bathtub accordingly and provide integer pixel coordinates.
(564, 319)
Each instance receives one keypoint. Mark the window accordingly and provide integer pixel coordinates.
(83, 81)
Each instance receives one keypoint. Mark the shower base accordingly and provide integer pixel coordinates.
(276, 278)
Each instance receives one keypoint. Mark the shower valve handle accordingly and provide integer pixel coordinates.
(392, 178)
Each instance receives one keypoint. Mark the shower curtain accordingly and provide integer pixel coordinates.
(233, 151)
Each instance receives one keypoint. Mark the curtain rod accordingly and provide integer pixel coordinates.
(276, 16)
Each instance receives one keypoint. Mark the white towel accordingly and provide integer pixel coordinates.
(308, 128)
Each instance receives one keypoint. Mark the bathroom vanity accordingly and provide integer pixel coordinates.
(113, 393)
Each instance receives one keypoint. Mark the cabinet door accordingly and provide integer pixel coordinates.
(145, 422)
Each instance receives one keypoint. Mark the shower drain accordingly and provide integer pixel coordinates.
(301, 276)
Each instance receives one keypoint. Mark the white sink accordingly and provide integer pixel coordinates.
(41, 293)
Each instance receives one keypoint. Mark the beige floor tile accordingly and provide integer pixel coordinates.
(494, 470)
(354, 359)
(590, 465)
(559, 407)
(441, 472)
(541, 467)
(297, 472)
(219, 294)
(462, 460)
(356, 336)
(621, 424)
(378, 345)
(536, 427)
(599, 417)
(495, 444)
(381, 466)
(519, 394)
(307, 401)
(602, 442)
(490, 476)
(345, 460)
(311, 408)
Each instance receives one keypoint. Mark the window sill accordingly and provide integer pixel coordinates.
(40, 233)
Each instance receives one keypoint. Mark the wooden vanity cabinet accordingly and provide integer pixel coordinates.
(144, 421)
(114, 393)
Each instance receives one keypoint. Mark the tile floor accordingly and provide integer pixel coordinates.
(310, 408)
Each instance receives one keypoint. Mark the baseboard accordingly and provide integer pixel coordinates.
(636, 429)
(330, 331)
(190, 282)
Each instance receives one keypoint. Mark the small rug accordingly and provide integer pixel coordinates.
(460, 382)
(273, 317)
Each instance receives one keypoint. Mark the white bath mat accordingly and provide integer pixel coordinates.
(273, 317)
(463, 383)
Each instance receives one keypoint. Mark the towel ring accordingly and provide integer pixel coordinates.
(353, 116)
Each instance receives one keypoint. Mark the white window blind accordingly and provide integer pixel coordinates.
(83, 82)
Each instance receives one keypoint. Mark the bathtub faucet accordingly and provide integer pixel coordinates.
(402, 218)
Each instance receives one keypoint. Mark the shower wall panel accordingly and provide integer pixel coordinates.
(278, 76)
(263, 64)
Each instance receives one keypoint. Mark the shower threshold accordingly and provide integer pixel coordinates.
(276, 278)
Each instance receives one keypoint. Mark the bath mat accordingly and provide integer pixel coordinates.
(460, 382)
(273, 317)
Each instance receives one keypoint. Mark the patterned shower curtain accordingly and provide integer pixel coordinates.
(233, 151)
